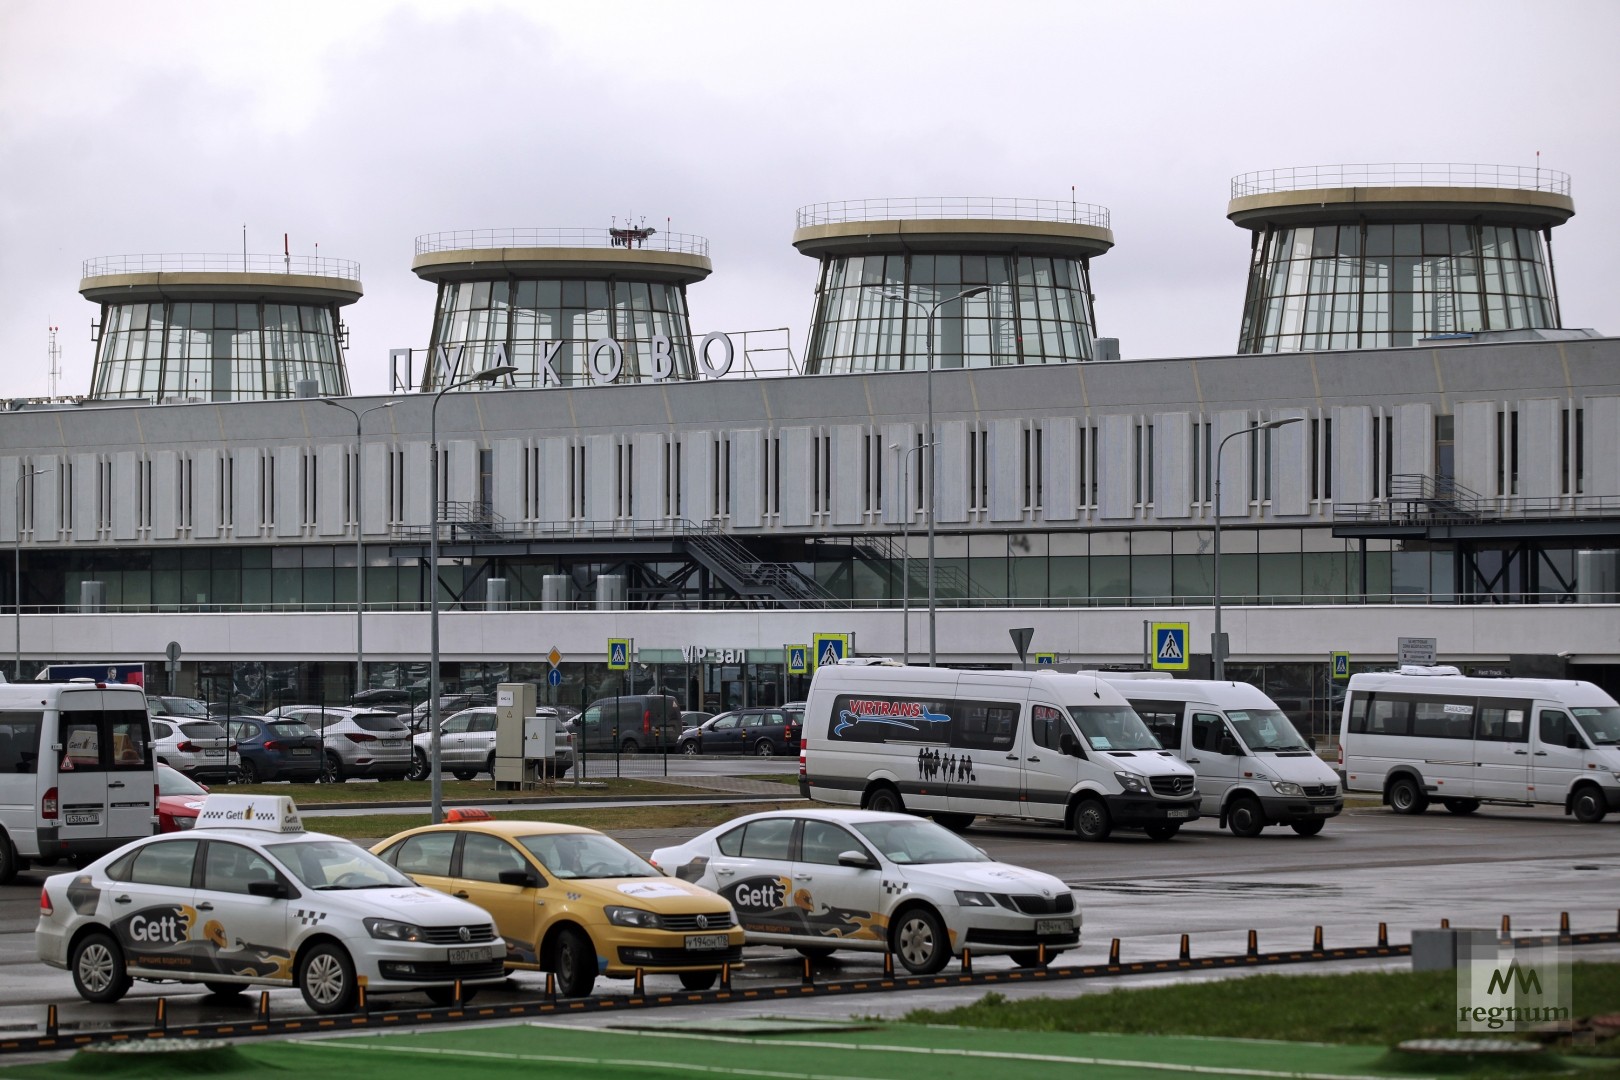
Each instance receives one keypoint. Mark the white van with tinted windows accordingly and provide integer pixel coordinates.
(1037, 745)
(1254, 768)
(1429, 734)
(76, 774)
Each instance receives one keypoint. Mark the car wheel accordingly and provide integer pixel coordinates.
(955, 822)
(465, 774)
(419, 766)
(224, 989)
(763, 748)
(8, 860)
(1031, 958)
(1091, 820)
(1588, 805)
(1162, 830)
(885, 800)
(698, 980)
(575, 963)
(446, 995)
(629, 747)
(690, 748)
(247, 772)
(326, 979)
(1245, 818)
(1406, 797)
(919, 941)
(1462, 806)
(331, 769)
(98, 969)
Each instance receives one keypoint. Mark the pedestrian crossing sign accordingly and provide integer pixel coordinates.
(1170, 646)
(1045, 659)
(830, 648)
(798, 659)
(1341, 666)
(619, 650)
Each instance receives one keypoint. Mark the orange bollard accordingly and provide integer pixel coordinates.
(967, 961)
(1186, 947)
(1383, 935)
(1316, 940)
(1113, 953)
(264, 1005)
(1254, 943)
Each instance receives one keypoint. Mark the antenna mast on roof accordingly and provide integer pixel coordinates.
(629, 237)
(54, 370)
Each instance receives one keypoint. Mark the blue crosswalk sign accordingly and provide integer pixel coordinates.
(1170, 647)
(798, 659)
(618, 654)
(1341, 665)
(830, 648)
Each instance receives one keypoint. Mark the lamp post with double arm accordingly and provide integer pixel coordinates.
(928, 441)
(359, 545)
(437, 781)
(905, 545)
(1217, 644)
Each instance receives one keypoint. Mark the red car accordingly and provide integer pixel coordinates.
(179, 799)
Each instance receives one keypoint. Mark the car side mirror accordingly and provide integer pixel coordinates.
(857, 859)
(1069, 746)
(1572, 741)
(524, 878)
(274, 890)
(1229, 746)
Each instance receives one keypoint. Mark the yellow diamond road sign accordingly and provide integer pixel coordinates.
(554, 656)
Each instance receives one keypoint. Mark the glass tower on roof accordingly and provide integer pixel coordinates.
(1007, 281)
(1375, 256)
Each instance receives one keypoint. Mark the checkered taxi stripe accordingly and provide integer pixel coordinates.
(308, 916)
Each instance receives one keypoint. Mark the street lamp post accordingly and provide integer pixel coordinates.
(928, 473)
(359, 546)
(1217, 640)
(905, 545)
(437, 781)
(26, 474)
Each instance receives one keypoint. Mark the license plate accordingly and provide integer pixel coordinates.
(1321, 809)
(213, 753)
(707, 941)
(393, 742)
(301, 751)
(1054, 926)
(83, 817)
(470, 956)
(1178, 813)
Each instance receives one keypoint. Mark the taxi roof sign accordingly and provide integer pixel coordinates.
(271, 813)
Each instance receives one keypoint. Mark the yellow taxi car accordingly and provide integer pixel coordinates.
(572, 901)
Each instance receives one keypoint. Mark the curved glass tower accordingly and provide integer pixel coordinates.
(218, 327)
(1024, 264)
(1374, 256)
(550, 297)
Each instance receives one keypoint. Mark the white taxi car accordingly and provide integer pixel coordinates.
(247, 896)
(821, 880)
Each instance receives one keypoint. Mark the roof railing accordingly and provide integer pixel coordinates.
(1400, 174)
(987, 207)
(195, 262)
(627, 236)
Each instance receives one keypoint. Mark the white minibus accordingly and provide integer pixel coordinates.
(1254, 769)
(76, 775)
(1428, 734)
(1038, 745)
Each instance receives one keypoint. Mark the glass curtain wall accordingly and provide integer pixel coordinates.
(217, 351)
(1383, 285)
(531, 317)
(1035, 310)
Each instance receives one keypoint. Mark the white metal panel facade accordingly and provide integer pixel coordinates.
(1475, 428)
(793, 469)
(1352, 454)
(698, 475)
(648, 467)
(417, 479)
(509, 466)
(249, 510)
(601, 477)
(10, 470)
(205, 521)
(1060, 444)
(951, 477)
(332, 516)
(747, 474)
(849, 479)
(374, 494)
(1291, 465)
(1602, 430)
(1006, 468)
(554, 480)
(1540, 448)
(289, 490)
(124, 494)
(165, 478)
(86, 488)
(1414, 438)
(1172, 465)
(1116, 475)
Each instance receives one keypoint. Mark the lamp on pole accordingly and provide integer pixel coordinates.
(1217, 640)
(905, 545)
(359, 546)
(26, 474)
(437, 781)
(928, 473)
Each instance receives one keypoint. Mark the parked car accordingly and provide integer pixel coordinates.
(820, 880)
(570, 900)
(449, 705)
(201, 749)
(384, 699)
(692, 718)
(179, 708)
(179, 800)
(764, 732)
(467, 745)
(358, 742)
(628, 723)
(275, 748)
(261, 902)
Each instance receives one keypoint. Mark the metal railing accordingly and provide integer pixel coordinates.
(478, 239)
(1418, 499)
(194, 262)
(987, 207)
(1400, 174)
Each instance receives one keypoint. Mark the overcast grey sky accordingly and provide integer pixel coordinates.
(165, 126)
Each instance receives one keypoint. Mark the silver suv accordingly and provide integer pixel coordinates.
(358, 742)
(467, 745)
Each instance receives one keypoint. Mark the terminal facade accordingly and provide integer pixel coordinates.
(621, 484)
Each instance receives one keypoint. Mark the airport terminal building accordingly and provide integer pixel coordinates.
(1407, 442)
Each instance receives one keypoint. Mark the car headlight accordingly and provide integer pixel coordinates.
(1287, 787)
(1131, 782)
(629, 916)
(390, 930)
(974, 899)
